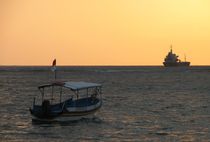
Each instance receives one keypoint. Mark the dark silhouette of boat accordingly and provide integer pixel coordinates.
(83, 101)
(172, 60)
(66, 101)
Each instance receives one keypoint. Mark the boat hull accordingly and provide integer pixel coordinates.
(66, 117)
(176, 64)
(70, 113)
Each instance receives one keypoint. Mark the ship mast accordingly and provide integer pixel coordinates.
(171, 49)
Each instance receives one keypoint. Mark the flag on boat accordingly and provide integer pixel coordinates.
(54, 65)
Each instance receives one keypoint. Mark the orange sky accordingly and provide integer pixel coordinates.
(103, 32)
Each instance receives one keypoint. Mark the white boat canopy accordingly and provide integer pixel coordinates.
(80, 85)
(73, 85)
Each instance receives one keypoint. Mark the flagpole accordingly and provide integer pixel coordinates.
(55, 74)
(54, 69)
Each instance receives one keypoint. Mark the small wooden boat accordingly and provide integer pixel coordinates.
(67, 101)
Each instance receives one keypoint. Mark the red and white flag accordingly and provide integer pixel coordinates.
(54, 65)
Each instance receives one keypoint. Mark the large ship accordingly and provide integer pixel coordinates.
(172, 60)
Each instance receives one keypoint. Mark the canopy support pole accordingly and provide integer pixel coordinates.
(52, 93)
(60, 94)
(42, 91)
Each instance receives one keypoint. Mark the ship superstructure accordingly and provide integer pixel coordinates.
(172, 60)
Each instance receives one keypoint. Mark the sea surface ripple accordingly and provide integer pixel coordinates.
(139, 104)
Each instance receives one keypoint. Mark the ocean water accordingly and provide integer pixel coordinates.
(139, 104)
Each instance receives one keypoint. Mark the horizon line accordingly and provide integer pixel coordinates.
(91, 65)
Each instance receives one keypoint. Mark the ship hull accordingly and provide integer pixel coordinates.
(178, 64)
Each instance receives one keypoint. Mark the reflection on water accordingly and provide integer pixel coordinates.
(140, 104)
(66, 123)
